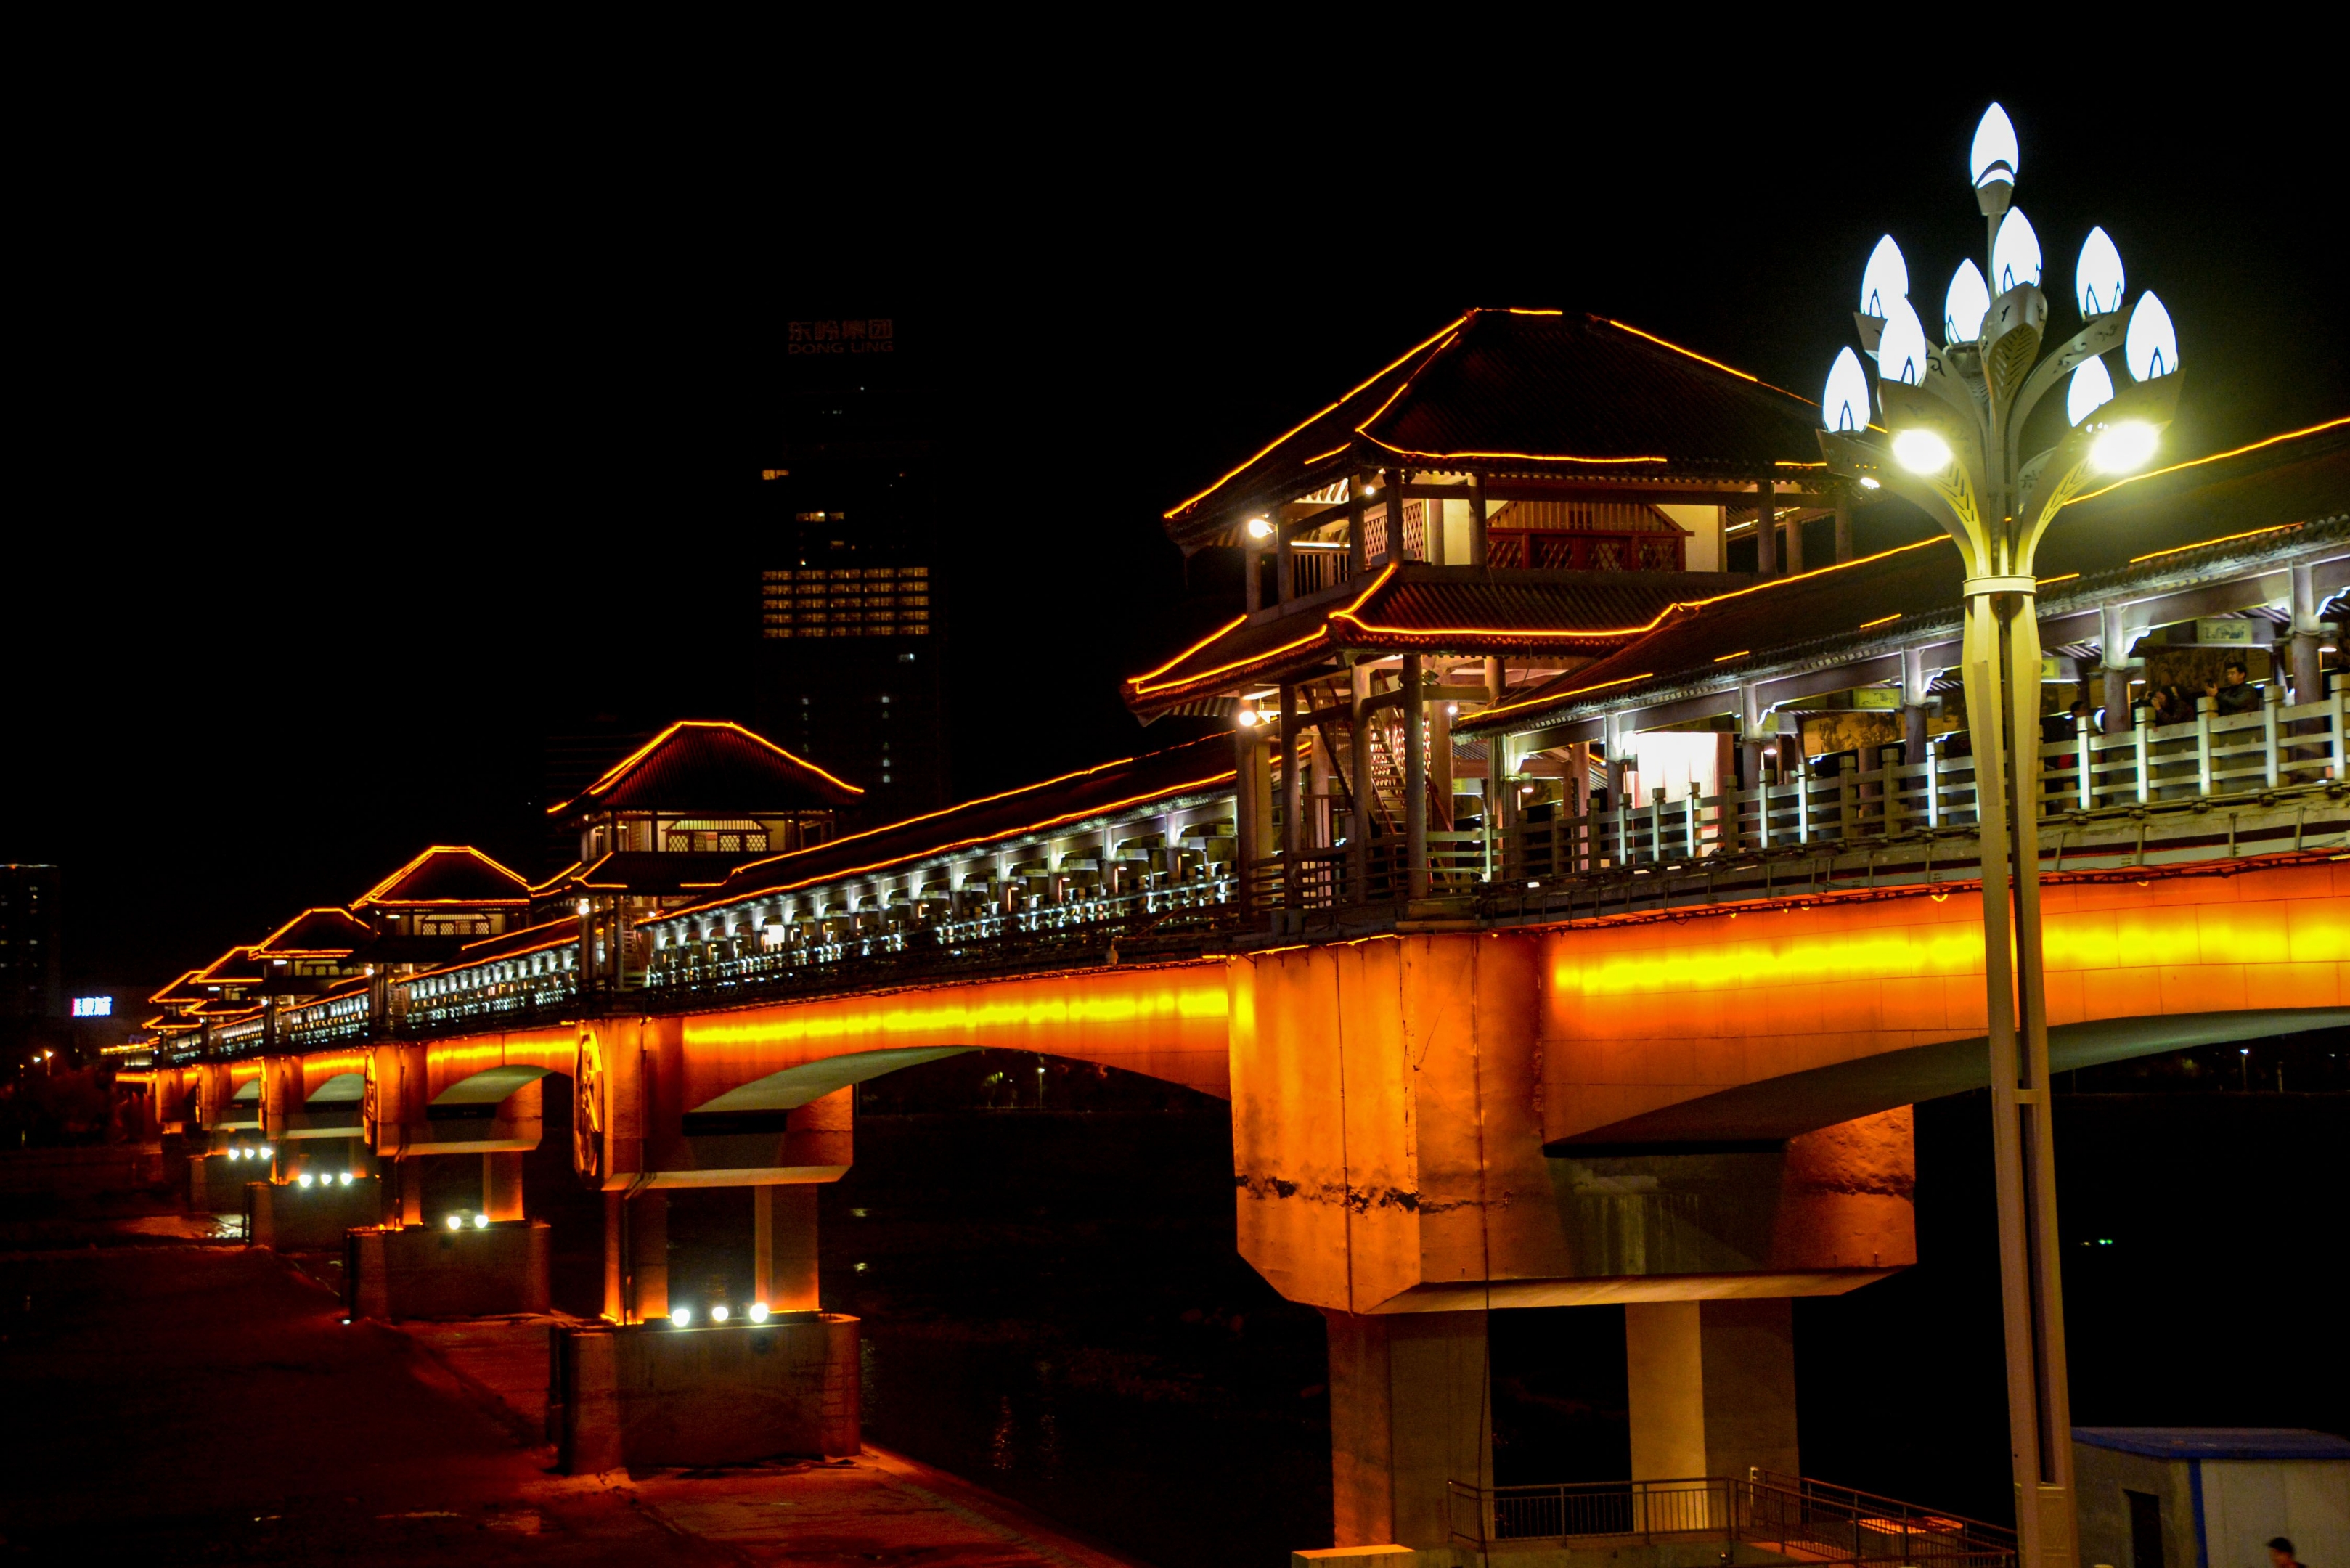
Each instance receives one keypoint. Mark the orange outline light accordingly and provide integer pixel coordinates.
(1137, 682)
(1321, 456)
(1182, 506)
(375, 894)
(1232, 626)
(1499, 456)
(613, 775)
(1700, 604)
(1728, 657)
(949, 849)
(2215, 457)
(2223, 539)
(1703, 361)
(2059, 577)
(263, 945)
(1880, 620)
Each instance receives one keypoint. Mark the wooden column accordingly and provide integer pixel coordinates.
(1843, 526)
(1319, 829)
(1415, 777)
(1578, 794)
(1358, 560)
(1252, 578)
(1358, 735)
(1293, 801)
(1794, 541)
(1477, 522)
(1391, 481)
(1253, 802)
(1432, 533)
(1440, 763)
(1285, 574)
(1766, 536)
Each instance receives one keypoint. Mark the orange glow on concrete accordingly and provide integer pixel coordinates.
(448, 1062)
(1167, 1022)
(1644, 1016)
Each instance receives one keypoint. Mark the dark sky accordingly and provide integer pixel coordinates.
(364, 461)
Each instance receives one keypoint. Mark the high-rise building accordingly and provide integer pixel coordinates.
(32, 973)
(852, 630)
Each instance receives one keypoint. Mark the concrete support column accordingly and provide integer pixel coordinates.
(1843, 526)
(411, 1173)
(616, 1268)
(1795, 542)
(1766, 533)
(1712, 1387)
(647, 1232)
(1415, 773)
(1408, 1412)
(783, 1272)
(501, 1184)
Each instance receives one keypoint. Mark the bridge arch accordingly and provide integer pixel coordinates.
(344, 1088)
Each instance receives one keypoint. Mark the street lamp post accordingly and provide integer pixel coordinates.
(1951, 436)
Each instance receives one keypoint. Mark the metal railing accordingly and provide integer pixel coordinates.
(1791, 1515)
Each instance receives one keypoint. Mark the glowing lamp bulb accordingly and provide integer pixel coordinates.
(266, 1151)
(2015, 255)
(481, 1222)
(2098, 275)
(2125, 447)
(456, 1222)
(1901, 347)
(2151, 350)
(1246, 719)
(346, 1178)
(719, 1314)
(1964, 305)
(1869, 483)
(2092, 389)
(758, 1311)
(681, 1316)
(1258, 528)
(305, 1178)
(1845, 405)
(1994, 155)
(1921, 451)
(1884, 279)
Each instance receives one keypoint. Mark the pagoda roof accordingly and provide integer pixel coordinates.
(1201, 764)
(1410, 606)
(326, 932)
(448, 874)
(2205, 519)
(182, 993)
(235, 967)
(656, 871)
(1534, 393)
(712, 767)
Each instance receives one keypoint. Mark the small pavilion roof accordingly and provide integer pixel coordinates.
(1410, 606)
(1199, 764)
(447, 874)
(718, 768)
(1527, 394)
(182, 993)
(235, 967)
(327, 932)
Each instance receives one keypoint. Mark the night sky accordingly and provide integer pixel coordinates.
(359, 483)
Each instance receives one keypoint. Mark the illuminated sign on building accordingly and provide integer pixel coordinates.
(93, 1007)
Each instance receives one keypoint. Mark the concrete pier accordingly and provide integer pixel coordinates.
(652, 1394)
(393, 1272)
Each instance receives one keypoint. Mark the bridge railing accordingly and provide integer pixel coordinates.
(2274, 746)
(1810, 1520)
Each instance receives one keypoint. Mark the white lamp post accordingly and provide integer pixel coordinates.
(1952, 441)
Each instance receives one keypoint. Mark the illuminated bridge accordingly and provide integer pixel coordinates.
(1560, 893)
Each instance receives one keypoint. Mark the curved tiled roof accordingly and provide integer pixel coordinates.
(715, 767)
(1460, 610)
(316, 933)
(1199, 764)
(1528, 392)
(448, 874)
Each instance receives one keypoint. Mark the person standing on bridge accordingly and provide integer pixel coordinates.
(2235, 694)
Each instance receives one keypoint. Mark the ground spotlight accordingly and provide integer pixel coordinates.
(304, 1179)
(758, 1311)
(719, 1314)
(681, 1316)
(456, 1222)
(481, 1222)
